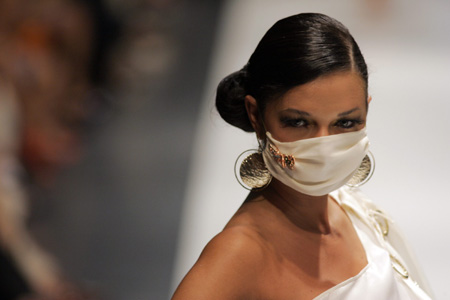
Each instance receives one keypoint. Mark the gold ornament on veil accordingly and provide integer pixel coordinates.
(283, 160)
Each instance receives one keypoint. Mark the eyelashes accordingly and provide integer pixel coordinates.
(348, 123)
(345, 123)
(294, 122)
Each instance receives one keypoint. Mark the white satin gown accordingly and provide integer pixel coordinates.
(391, 272)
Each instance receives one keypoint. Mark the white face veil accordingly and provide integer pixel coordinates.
(316, 166)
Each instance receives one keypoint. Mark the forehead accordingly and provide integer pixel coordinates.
(334, 92)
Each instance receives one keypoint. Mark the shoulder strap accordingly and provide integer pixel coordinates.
(386, 233)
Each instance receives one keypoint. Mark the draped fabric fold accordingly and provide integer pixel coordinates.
(392, 272)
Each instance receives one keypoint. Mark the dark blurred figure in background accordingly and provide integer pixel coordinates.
(52, 63)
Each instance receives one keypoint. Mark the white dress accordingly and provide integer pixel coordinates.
(391, 272)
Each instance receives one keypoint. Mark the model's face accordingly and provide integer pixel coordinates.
(329, 105)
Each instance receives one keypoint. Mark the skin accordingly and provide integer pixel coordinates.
(282, 244)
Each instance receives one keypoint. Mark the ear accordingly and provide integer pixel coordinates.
(254, 116)
(369, 99)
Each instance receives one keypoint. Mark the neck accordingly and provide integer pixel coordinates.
(309, 213)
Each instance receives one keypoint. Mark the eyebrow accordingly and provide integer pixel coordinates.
(345, 113)
(300, 112)
(304, 113)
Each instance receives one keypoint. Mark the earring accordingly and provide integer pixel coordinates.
(251, 171)
(364, 172)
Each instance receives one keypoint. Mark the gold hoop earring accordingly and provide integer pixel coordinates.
(364, 172)
(251, 171)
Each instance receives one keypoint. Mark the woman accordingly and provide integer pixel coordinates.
(302, 232)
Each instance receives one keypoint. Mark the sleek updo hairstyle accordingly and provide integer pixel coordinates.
(295, 51)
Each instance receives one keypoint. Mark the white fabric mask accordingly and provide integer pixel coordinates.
(316, 166)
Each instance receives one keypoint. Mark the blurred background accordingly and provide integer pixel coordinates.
(115, 168)
(103, 97)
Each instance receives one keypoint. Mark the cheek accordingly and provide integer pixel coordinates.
(270, 122)
(289, 134)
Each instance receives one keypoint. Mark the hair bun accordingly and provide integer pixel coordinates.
(230, 100)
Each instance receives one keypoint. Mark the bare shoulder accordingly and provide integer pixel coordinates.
(236, 242)
(228, 268)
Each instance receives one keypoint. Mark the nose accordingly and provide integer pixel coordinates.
(322, 131)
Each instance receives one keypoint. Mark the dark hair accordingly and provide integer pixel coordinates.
(295, 51)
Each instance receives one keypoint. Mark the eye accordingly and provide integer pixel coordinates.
(348, 123)
(294, 122)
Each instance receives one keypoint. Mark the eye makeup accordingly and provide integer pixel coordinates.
(297, 122)
(348, 123)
